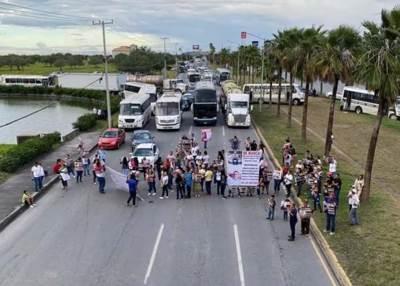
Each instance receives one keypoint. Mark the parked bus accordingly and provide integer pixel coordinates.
(135, 111)
(261, 92)
(168, 111)
(223, 75)
(237, 110)
(359, 100)
(25, 80)
(205, 105)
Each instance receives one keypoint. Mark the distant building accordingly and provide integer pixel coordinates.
(125, 50)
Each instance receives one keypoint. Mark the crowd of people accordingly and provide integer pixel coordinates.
(190, 172)
(312, 182)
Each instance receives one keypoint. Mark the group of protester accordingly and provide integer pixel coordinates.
(309, 181)
(191, 172)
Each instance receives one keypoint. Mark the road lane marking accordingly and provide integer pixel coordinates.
(239, 255)
(328, 272)
(153, 255)
(223, 130)
(190, 131)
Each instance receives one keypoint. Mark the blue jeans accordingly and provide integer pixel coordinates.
(152, 187)
(102, 184)
(353, 216)
(38, 183)
(71, 171)
(277, 185)
(330, 222)
(271, 213)
(86, 170)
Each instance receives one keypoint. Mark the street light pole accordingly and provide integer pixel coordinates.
(103, 23)
(165, 58)
(262, 67)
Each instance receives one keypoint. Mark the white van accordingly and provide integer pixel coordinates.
(135, 111)
(359, 100)
(261, 91)
(168, 111)
(237, 110)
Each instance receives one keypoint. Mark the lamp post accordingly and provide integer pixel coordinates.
(262, 68)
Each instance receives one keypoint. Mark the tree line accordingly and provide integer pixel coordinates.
(59, 60)
(343, 54)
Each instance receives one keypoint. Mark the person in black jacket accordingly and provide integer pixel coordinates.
(292, 221)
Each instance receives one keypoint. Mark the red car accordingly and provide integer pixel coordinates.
(111, 138)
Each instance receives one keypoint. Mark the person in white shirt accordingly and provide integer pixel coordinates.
(37, 176)
(354, 203)
(288, 181)
(332, 165)
(277, 176)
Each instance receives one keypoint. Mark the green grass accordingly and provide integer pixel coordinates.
(369, 253)
(42, 69)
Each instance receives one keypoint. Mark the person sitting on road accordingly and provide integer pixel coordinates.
(27, 199)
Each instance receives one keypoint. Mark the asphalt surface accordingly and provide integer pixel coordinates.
(82, 237)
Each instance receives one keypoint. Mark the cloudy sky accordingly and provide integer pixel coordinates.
(45, 26)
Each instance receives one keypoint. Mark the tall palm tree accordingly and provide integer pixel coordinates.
(310, 43)
(336, 61)
(278, 46)
(379, 67)
(291, 38)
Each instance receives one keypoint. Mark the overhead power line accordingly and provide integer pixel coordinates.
(20, 14)
(44, 12)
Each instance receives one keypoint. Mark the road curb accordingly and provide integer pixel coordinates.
(37, 196)
(319, 239)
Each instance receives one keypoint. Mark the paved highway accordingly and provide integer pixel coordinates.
(81, 237)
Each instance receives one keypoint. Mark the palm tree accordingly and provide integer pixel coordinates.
(309, 45)
(278, 46)
(336, 61)
(291, 39)
(379, 67)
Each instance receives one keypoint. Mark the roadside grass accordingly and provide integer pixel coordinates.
(43, 69)
(369, 253)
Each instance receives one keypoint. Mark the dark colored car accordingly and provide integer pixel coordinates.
(140, 137)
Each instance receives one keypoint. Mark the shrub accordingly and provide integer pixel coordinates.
(27, 151)
(85, 122)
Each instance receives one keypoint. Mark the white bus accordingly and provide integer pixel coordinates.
(193, 78)
(237, 110)
(258, 93)
(168, 111)
(359, 100)
(25, 80)
(135, 111)
(135, 88)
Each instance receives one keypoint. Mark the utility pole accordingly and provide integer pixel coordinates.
(103, 23)
(165, 58)
(262, 67)
(176, 59)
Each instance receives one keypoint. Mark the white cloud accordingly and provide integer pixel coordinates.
(185, 22)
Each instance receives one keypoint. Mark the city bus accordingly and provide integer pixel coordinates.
(205, 103)
(25, 80)
(359, 100)
(168, 113)
(135, 111)
(261, 92)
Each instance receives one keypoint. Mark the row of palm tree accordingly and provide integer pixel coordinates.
(341, 54)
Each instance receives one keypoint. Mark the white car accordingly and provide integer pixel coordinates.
(149, 151)
(339, 96)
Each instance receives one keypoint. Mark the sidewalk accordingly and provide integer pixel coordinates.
(11, 190)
